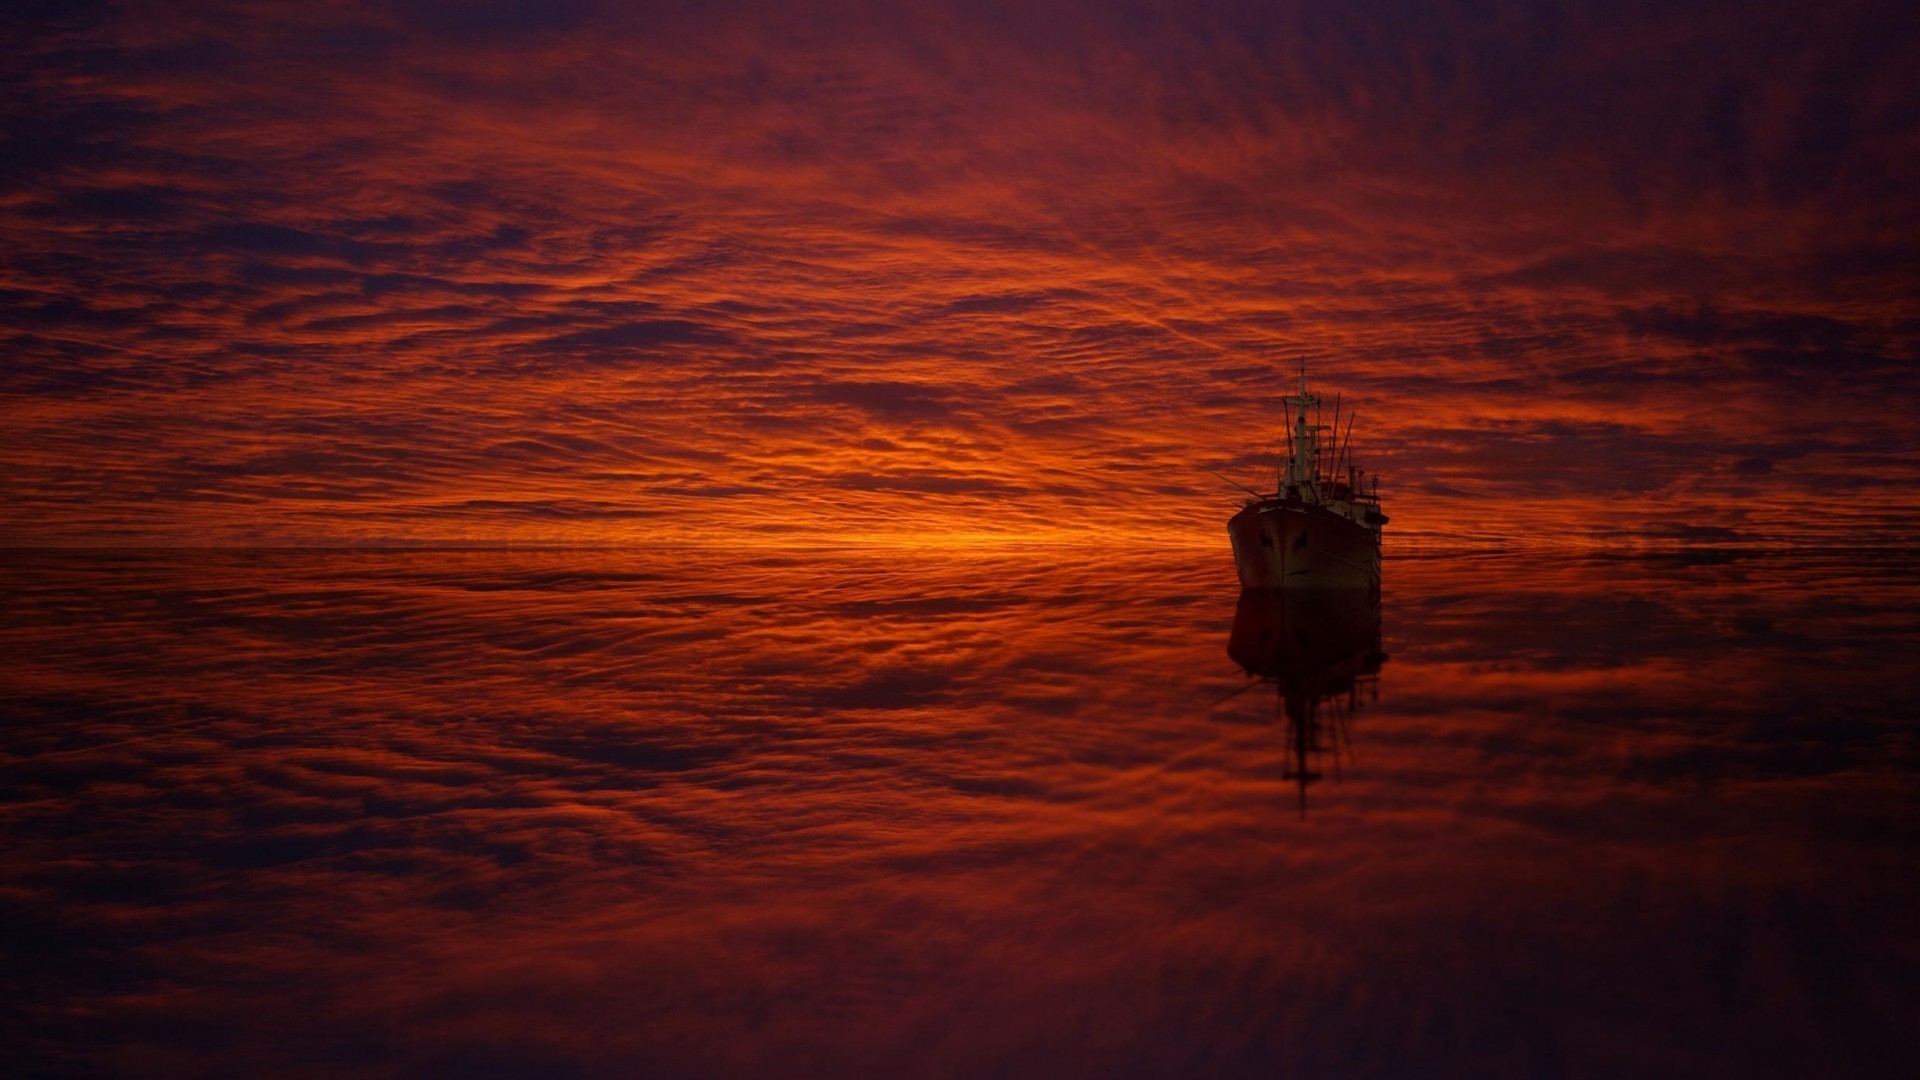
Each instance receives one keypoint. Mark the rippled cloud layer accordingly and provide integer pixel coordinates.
(580, 271)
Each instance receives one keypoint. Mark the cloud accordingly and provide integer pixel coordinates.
(1076, 245)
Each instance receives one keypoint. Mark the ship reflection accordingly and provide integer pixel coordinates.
(1316, 647)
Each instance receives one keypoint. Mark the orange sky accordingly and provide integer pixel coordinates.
(333, 272)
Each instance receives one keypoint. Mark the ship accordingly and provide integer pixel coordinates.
(1320, 527)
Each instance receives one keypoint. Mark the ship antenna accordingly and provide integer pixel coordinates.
(1346, 445)
(1335, 471)
(1318, 415)
(1230, 483)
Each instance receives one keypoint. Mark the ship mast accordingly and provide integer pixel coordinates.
(1303, 459)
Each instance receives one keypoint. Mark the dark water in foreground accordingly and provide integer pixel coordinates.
(610, 814)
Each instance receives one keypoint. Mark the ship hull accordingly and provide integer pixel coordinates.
(1289, 544)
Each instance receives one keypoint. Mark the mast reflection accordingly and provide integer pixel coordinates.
(1315, 646)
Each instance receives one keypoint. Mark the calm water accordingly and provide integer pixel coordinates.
(610, 814)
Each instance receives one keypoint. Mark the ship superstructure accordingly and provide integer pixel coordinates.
(1321, 526)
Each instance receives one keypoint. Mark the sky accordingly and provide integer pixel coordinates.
(1586, 274)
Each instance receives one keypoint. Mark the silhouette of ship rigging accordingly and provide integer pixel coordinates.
(1320, 528)
(1317, 647)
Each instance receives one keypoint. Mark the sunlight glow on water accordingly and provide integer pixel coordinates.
(610, 813)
